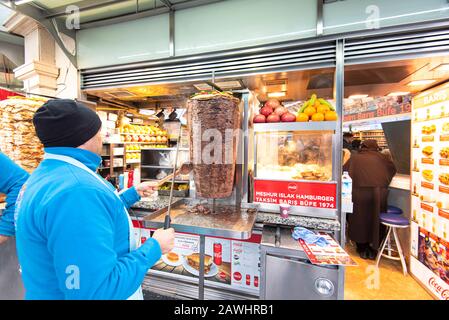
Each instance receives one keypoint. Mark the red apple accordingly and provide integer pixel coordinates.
(280, 110)
(272, 103)
(288, 117)
(266, 111)
(273, 118)
(259, 118)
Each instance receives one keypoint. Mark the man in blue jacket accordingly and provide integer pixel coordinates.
(74, 236)
(12, 177)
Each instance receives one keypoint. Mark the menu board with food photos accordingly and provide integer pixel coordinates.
(430, 190)
(228, 263)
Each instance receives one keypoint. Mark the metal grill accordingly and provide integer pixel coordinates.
(397, 46)
(257, 60)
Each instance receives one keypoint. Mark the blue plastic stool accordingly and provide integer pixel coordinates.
(393, 222)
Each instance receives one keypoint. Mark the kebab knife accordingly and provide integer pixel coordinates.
(167, 220)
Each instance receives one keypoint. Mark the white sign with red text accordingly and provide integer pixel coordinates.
(438, 287)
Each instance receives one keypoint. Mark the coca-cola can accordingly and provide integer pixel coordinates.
(256, 281)
(218, 253)
(248, 280)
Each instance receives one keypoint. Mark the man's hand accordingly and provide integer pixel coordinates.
(3, 239)
(146, 189)
(165, 238)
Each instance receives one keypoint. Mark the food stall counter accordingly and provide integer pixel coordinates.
(400, 181)
(222, 221)
(226, 222)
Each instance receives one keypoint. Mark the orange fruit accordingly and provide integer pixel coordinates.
(322, 109)
(309, 111)
(330, 116)
(317, 104)
(318, 117)
(302, 117)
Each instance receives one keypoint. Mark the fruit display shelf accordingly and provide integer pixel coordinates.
(165, 149)
(142, 134)
(131, 142)
(296, 126)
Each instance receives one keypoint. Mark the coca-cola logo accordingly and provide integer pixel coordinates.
(237, 276)
(439, 289)
(445, 294)
(292, 187)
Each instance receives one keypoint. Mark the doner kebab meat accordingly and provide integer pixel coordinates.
(219, 113)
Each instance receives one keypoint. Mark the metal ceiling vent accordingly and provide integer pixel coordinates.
(397, 46)
(286, 56)
(121, 94)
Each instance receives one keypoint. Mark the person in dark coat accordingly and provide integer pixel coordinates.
(355, 144)
(347, 140)
(371, 174)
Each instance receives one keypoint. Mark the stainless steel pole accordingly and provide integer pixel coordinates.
(339, 95)
(201, 271)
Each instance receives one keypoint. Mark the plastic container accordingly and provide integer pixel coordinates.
(284, 209)
(346, 186)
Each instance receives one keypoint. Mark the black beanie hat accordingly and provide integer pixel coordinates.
(65, 123)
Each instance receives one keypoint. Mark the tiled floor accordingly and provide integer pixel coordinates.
(364, 283)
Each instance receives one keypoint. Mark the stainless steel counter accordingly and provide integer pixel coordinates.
(287, 274)
(144, 209)
(234, 224)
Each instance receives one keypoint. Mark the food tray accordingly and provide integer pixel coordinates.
(236, 225)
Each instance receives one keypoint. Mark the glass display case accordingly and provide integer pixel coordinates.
(294, 155)
(294, 164)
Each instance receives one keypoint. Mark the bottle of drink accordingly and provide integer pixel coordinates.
(346, 186)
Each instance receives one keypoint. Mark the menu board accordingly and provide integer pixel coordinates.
(430, 190)
(332, 254)
(231, 263)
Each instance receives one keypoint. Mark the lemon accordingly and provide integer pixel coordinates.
(330, 116)
(302, 117)
(322, 109)
(318, 117)
(310, 111)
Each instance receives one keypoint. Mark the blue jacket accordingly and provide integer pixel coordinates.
(73, 234)
(12, 177)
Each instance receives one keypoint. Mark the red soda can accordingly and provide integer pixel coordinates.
(248, 280)
(218, 253)
(256, 281)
